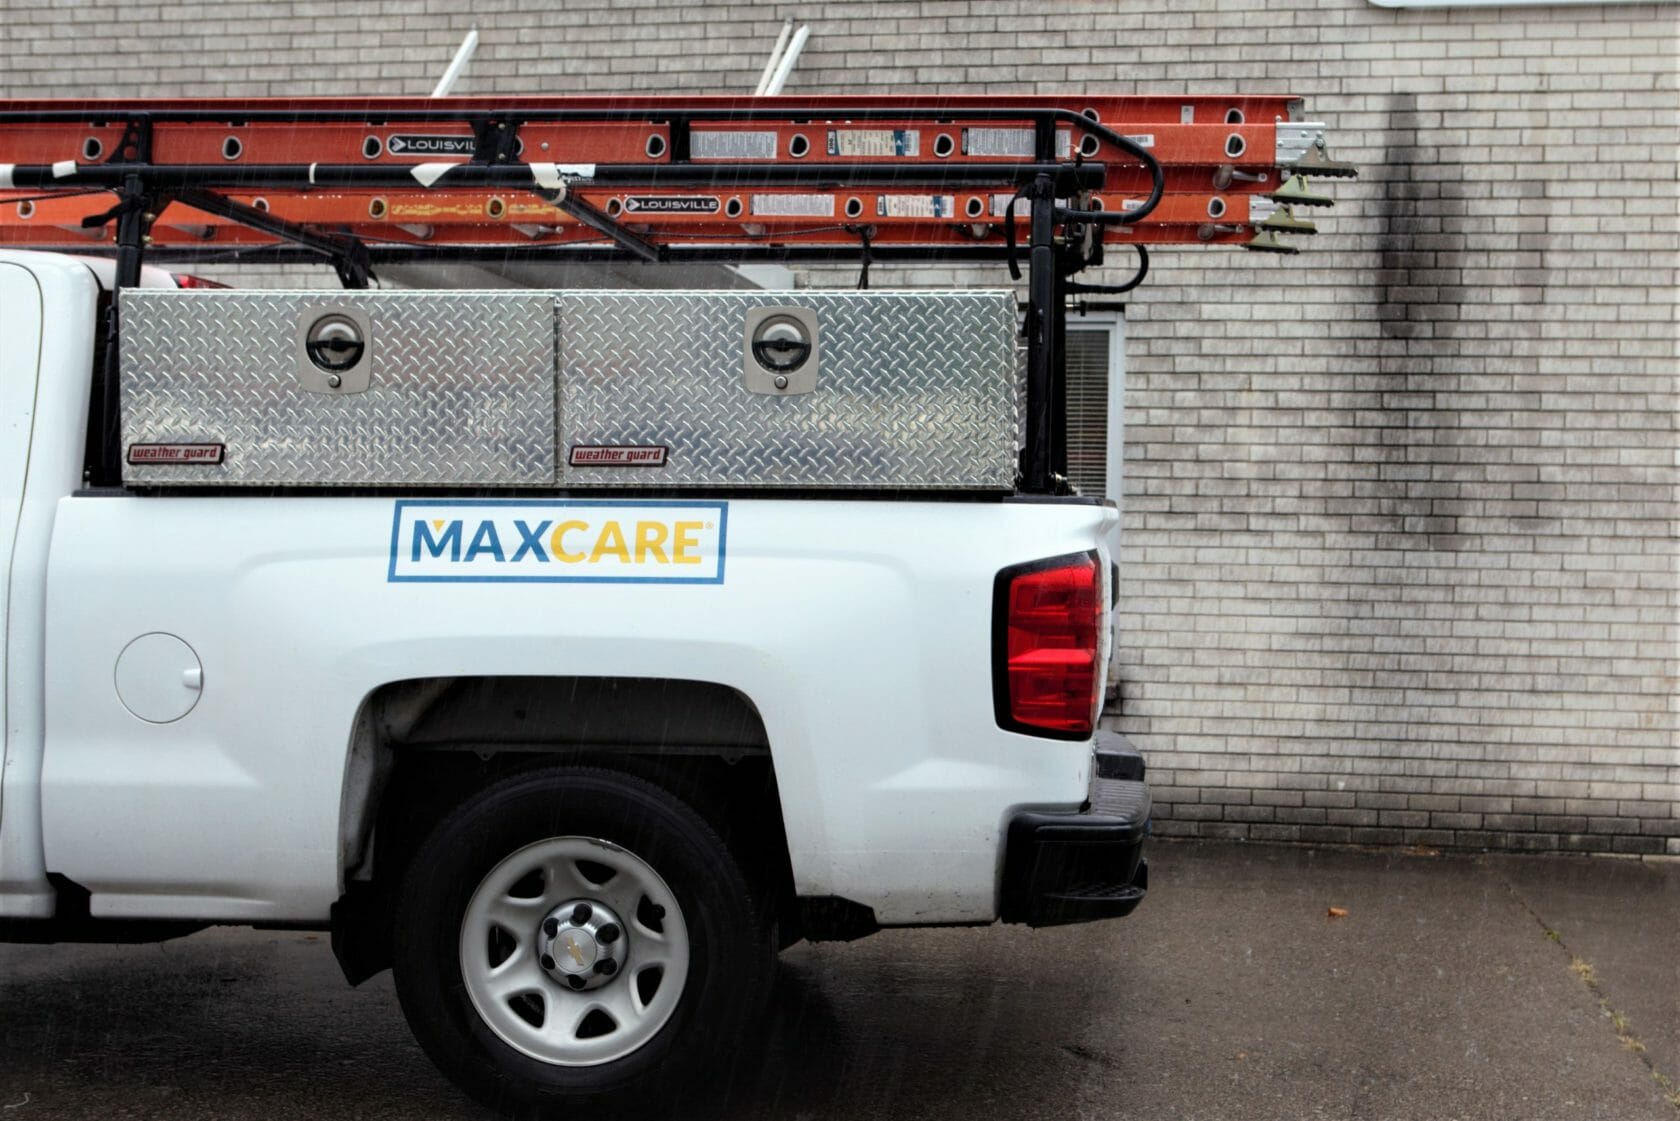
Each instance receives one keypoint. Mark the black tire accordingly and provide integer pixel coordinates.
(731, 954)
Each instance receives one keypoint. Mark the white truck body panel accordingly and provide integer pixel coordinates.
(860, 630)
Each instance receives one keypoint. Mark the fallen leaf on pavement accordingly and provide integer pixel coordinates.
(1338, 912)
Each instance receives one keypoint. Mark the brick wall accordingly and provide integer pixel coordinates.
(1401, 557)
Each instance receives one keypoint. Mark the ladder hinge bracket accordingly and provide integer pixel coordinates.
(495, 140)
(136, 143)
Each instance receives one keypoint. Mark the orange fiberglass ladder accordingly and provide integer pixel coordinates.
(360, 182)
(648, 174)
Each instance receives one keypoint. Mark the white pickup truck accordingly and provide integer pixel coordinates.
(575, 763)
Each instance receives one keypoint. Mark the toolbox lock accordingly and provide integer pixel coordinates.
(781, 351)
(333, 350)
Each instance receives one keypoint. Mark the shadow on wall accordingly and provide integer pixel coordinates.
(1420, 300)
(1435, 306)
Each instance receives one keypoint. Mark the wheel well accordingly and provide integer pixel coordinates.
(422, 747)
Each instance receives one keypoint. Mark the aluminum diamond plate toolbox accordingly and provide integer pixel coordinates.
(403, 389)
(913, 390)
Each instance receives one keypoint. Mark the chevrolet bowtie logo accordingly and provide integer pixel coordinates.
(574, 949)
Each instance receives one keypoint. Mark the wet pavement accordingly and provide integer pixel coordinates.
(1454, 987)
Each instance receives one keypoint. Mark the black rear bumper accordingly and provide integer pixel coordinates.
(1079, 867)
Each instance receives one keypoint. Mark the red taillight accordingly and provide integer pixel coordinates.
(187, 280)
(1049, 621)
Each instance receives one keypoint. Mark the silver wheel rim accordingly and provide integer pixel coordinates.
(526, 905)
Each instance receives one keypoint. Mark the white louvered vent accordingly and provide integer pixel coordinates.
(1087, 407)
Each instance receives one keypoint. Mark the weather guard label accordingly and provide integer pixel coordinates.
(618, 455)
(210, 454)
(558, 541)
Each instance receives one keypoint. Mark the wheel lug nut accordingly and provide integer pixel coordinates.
(608, 934)
(606, 967)
(581, 913)
(551, 927)
(575, 981)
(547, 962)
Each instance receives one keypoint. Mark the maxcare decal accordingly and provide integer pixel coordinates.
(558, 541)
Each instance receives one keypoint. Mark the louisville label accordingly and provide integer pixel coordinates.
(403, 144)
(558, 541)
(671, 204)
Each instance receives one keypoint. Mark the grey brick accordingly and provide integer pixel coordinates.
(1407, 819)
(1520, 842)
(1376, 836)
(1221, 830)
(1351, 817)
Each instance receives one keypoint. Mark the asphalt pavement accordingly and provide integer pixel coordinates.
(1463, 987)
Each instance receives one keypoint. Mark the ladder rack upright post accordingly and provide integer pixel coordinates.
(104, 418)
(1037, 466)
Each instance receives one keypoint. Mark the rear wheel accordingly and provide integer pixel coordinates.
(578, 936)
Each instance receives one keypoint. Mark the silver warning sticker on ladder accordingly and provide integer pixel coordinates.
(916, 206)
(732, 145)
(1017, 142)
(1023, 208)
(856, 142)
(794, 206)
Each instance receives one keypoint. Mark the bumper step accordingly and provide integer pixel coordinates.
(1079, 867)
